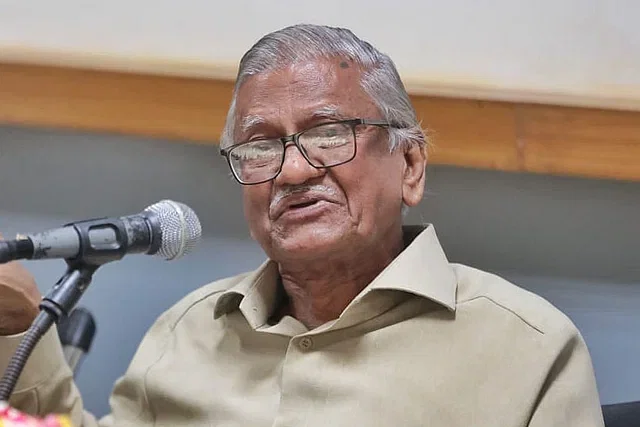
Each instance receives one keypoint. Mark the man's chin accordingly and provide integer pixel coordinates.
(308, 240)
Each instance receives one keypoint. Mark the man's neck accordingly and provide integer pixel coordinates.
(318, 291)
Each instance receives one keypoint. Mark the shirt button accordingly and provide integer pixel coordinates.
(306, 343)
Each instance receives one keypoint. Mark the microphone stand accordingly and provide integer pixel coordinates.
(76, 333)
(57, 304)
(66, 293)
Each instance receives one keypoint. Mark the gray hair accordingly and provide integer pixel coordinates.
(380, 79)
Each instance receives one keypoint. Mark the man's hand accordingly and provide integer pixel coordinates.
(19, 298)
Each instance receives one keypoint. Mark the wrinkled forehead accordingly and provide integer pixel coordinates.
(299, 92)
(325, 112)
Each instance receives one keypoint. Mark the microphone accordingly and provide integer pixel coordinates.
(167, 229)
(76, 333)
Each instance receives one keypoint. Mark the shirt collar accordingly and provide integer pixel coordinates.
(421, 269)
(256, 295)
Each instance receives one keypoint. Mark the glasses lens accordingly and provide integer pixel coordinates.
(256, 161)
(329, 144)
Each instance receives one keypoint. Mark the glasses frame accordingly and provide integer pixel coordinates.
(285, 140)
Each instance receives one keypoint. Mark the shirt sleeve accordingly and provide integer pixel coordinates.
(46, 385)
(569, 397)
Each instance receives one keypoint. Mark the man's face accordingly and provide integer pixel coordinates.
(341, 209)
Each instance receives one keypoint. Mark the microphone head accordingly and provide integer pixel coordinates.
(179, 226)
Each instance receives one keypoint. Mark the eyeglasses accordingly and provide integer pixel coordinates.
(323, 146)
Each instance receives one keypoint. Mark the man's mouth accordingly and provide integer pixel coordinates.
(300, 205)
(304, 204)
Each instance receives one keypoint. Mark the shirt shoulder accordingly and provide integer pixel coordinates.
(531, 309)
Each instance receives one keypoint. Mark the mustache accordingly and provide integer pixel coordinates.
(304, 188)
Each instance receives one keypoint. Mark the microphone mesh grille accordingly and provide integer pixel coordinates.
(180, 227)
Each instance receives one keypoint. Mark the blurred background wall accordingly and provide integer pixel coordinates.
(569, 233)
(546, 47)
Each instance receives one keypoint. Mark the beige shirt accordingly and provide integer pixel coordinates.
(427, 343)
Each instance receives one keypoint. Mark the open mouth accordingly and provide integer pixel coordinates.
(301, 208)
(303, 204)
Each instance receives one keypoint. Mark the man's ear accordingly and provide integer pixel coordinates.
(415, 163)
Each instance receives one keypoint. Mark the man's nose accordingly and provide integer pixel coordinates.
(295, 168)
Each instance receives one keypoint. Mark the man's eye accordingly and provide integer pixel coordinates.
(331, 141)
(256, 151)
(329, 138)
(329, 133)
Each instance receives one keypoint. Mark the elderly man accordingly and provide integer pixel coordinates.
(354, 319)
